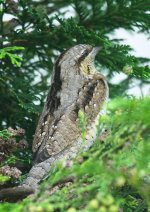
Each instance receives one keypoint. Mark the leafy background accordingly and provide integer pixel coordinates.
(29, 45)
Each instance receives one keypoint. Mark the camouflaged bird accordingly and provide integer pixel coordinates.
(76, 85)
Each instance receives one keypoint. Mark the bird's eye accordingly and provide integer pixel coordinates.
(85, 53)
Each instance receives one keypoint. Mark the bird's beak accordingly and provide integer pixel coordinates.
(95, 51)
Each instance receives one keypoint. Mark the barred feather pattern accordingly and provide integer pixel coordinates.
(74, 87)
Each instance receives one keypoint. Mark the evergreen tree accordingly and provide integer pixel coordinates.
(29, 44)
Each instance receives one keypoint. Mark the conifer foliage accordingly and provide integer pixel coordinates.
(29, 44)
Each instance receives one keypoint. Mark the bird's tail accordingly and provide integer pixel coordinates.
(42, 170)
(30, 185)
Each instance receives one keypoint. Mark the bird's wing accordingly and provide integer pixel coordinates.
(64, 131)
(47, 116)
(45, 119)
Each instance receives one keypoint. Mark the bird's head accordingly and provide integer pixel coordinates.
(86, 59)
(81, 55)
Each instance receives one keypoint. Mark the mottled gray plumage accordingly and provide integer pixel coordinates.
(76, 85)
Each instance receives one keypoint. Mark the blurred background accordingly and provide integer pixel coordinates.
(139, 42)
(34, 33)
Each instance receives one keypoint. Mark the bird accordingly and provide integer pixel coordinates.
(76, 86)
